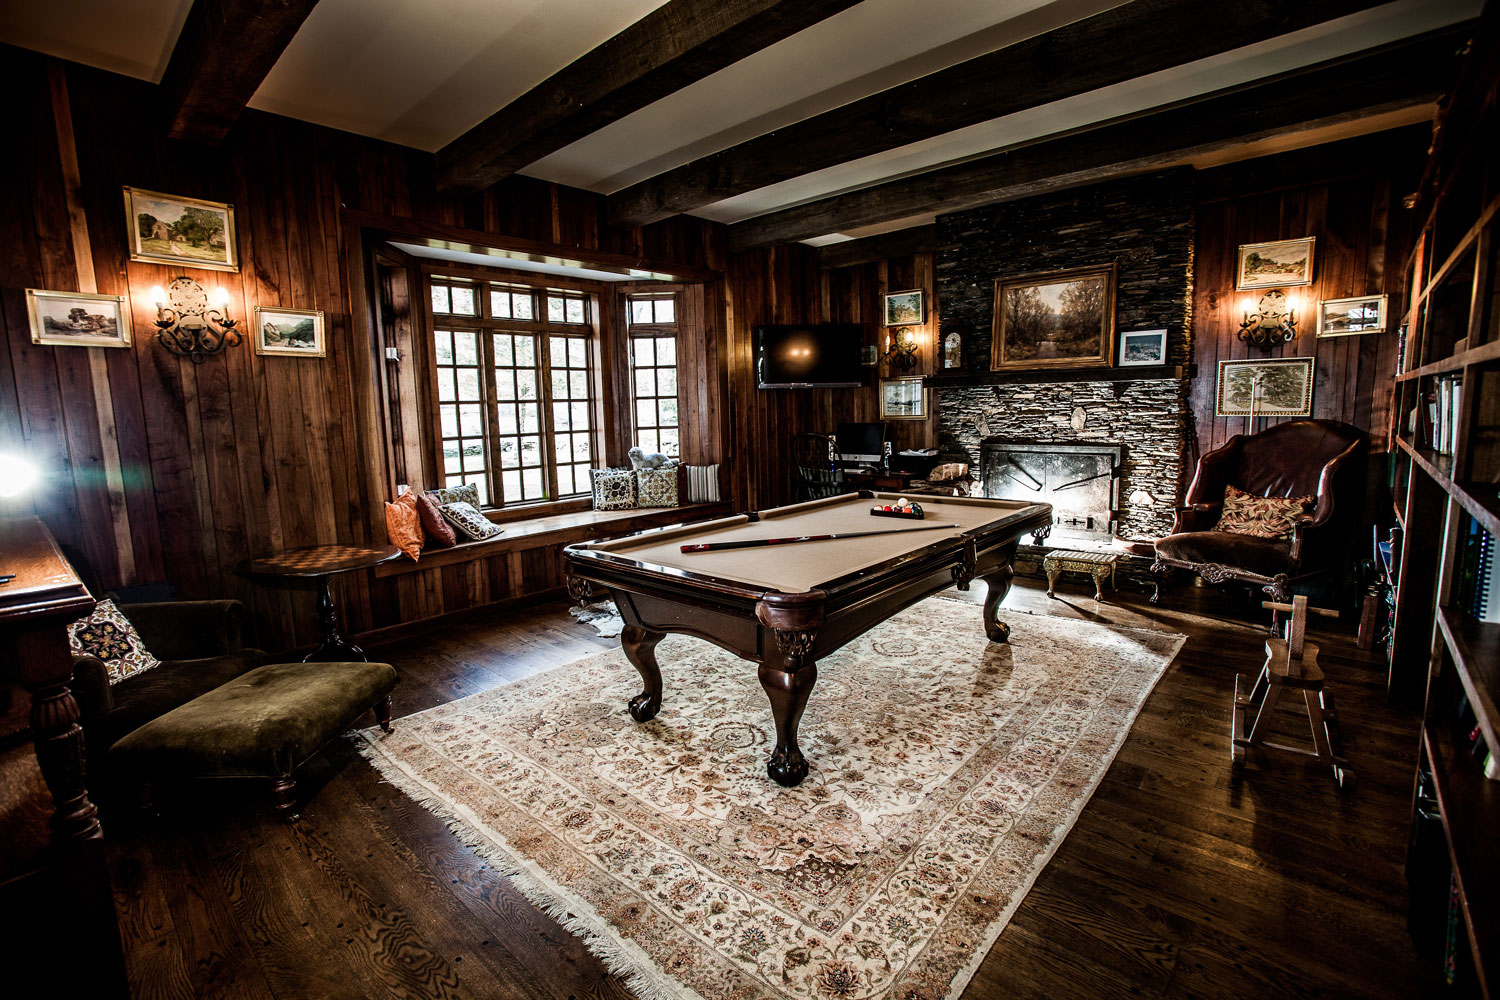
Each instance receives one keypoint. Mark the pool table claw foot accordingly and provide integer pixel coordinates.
(644, 706)
(640, 649)
(788, 685)
(786, 766)
(997, 585)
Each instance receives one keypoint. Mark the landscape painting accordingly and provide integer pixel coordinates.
(1143, 347)
(1062, 318)
(294, 332)
(77, 319)
(903, 399)
(1281, 264)
(1280, 387)
(1349, 317)
(189, 232)
(905, 308)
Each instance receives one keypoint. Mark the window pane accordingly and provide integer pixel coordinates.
(451, 461)
(510, 455)
(445, 385)
(574, 314)
(578, 382)
(500, 304)
(483, 488)
(668, 412)
(468, 383)
(647, 441)
(645, 413)
(440, 299)
(640, 310)
(666, 350)
(581, 477)
(642, 351)
(505, 384)
(442, 343)
(562, 448)
(559, 384)
(525, 384)
(580, 415)
(531, 484)
(558, 351)
(581, 448)
(645, 381)
(507, 414)
(529, 422)
(470, 420)
(503, 357)
(666, 381)
(466, 347)
(531, 451)
(511, 483)
(463, 300)
(560, 417)
(449, 414)
(525, 351)
(554, 309)
(577, 353)
(664, 311)
(669, 443)
(564, 480)
(473, 456)
(520, 306)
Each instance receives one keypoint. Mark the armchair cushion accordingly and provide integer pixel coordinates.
(107, 636)
(1265, 557)
(188, 630)
(1261, 517)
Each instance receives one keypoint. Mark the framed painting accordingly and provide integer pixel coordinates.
(1143, 347)
(294, 332)
(903, 399)
(907, 308)
(1350, 317)
(1280, 264)
(1057, 319)
(1277, 387)
(77, 319)
(187, 232)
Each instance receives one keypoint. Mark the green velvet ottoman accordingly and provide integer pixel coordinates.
(263, 724)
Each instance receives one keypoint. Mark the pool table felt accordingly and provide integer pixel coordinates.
(804, 566)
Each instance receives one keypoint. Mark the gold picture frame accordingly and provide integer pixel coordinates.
(281, 331)
(183, 232)
(903, 399)
(905, 308)
(1055, 319)
(1277, 264)
(70, 319)
(1351, 317)
(1285, 387)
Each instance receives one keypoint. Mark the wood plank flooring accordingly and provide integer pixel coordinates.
(1180, 879)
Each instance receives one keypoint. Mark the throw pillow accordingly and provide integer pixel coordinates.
(614, 489)
(467, 520)
(703, 484)
(108, 635)
(439, 532)
(403, 525)
(656, 487)
(463, 493)
(1261, 517)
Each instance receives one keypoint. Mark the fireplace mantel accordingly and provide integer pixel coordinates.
(1134, 373)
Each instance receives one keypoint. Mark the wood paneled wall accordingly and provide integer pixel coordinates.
(785, 285)
(158, 471)
(1347, 195)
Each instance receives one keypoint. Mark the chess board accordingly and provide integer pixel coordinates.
(319, 560)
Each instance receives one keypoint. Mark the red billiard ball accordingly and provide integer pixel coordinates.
(886, 507)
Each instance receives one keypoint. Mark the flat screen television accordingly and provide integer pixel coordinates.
(809, 355)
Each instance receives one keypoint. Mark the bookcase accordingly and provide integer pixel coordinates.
(1445, 479)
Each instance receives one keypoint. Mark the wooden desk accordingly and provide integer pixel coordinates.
(35, 610)
(879, 479)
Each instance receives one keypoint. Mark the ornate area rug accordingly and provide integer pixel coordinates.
(946, 770)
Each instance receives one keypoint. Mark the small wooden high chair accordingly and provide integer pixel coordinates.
(1291, 662)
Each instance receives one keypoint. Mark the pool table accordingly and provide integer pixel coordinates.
(787, 606)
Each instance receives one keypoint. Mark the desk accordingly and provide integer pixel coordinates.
(35, 611)
(785, 607)
(879, 479)
(320, 562)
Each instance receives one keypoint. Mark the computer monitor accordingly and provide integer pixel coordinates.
(862, 443)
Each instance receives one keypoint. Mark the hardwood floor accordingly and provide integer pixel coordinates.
(1181, 878)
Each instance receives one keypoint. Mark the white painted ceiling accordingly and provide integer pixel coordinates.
(422, 72)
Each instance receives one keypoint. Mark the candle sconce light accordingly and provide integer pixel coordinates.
(1273, 321)
(188, 324)
(901, 348)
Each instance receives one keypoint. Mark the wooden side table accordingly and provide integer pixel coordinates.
(1099, 565)
(320, 562)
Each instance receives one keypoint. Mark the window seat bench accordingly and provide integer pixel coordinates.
(555, 529)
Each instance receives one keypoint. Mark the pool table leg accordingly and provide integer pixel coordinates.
(640, 649)
(787, 682)
(997, 585)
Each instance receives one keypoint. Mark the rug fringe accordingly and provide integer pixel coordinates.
(635, 969)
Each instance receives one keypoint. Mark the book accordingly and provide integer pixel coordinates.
(1486, 598)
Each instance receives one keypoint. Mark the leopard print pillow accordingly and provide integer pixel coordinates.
(1260, 517)
(107, 635)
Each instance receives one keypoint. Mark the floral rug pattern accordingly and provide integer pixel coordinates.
(945, 770)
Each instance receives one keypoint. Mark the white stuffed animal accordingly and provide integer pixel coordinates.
(639, 459)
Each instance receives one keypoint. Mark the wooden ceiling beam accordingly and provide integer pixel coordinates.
(675, 45)
(881, 246)
(1111, 47)
(225, 51)
(1390, 78)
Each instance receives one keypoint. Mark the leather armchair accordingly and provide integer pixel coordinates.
(1319, 458)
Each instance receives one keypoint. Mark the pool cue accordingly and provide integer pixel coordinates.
(753, 542)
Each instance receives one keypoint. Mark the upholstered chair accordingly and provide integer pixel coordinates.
(1318, 458)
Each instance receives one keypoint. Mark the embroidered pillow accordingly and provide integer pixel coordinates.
(614, 489)
(439, 532)
(403, 526)
(467, 520)
(108, 635)
(656, 487)
(1261, 517)
(463, 493)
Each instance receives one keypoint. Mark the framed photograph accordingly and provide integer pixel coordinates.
(902, 399)
(1349, 317)
(77, 319)
(869, 355)
(188, 232)
(1280, 387)
(1143, 347)
(907, 308)
(1281, 264)
(294, 332)
(1058, 319)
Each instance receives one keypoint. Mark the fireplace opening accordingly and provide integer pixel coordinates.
(1080, 481)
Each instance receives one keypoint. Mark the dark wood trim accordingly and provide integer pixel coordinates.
(882, 246)
(1386, 79)
(674, 46)
(224, 53)
(1123, 43)
(1141, 373)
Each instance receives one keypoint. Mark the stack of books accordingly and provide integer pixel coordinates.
(1434, 420)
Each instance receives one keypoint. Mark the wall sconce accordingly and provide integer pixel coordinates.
(901, 349)
(188, 325)
(1272, 322)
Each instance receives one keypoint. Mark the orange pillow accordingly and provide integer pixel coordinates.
(403, 526)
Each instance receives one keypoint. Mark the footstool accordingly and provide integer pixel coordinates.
(1099, 565)
(263, 724)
